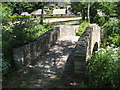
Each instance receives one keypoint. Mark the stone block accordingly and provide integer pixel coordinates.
(79, 67)
(84, 47)
(27, 54)
(18, 57)
(80, 59)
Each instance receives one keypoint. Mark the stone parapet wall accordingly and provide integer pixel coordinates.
(67, 30)
(28, 53)
(31, 52)
(84, 48)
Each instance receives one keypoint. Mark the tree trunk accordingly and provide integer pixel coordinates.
(41, 19)
(88, 12)
(83, 14)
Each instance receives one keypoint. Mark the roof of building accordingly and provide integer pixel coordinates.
(59, 11)
(24, 13)
(38, 12)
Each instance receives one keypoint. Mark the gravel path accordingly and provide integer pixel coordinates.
(61, 19)
(52, 63)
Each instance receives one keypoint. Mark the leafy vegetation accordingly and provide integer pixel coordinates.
(104, 68)
(21, 17)
(19, 7)
(108, 8)
(5, 66)
(112, 32)
(19, 34)
(6, 11)
(82, 28)
(79, 7)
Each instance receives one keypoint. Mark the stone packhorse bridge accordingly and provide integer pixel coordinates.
(59, 49)
(87, 44)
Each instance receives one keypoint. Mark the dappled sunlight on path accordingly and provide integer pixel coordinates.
(53, 62)
(44, 70)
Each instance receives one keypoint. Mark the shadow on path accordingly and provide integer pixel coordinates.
(54, 62)
(41, 72)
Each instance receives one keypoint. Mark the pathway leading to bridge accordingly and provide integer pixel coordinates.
(53, 62)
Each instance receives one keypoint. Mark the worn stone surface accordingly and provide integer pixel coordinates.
(85, 46)
(24, 55)
(57, 51)
(28, 53)
(67, 30)
(54, 62)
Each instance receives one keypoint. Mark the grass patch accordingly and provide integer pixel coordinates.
(82, 28)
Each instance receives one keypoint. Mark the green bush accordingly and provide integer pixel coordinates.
(114, 39)
(112, 32)
(25, 31)
(62, 6)
(82, 28)
(5, 66)
(111, 27)
(104, 68)
(21, 17)
(6, 12)
(100, 20)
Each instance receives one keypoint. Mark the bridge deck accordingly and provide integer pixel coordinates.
(53, 62)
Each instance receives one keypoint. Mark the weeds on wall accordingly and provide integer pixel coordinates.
(83, 25)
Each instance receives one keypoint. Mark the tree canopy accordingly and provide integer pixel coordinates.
(19, 7)
(109, 8)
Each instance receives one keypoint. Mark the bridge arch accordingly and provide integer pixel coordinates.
(95, 48)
